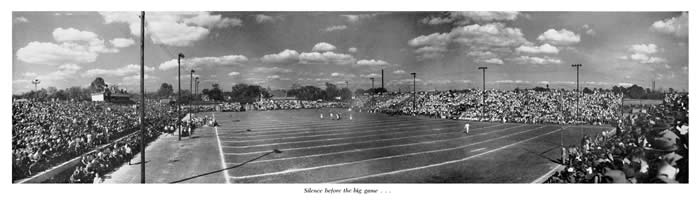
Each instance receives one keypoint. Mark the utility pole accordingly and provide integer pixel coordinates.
(577, 90)
(414, 90)
(483, 90)
(179, 98)
(143, 106)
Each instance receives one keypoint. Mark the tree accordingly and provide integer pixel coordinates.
(331, 91)
(359, 92)
(245, 93)
(98, 85)
(586, 90)
(635, 92)
(307, 93)
(215, 93)
(165, 90)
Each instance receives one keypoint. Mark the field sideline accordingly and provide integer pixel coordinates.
(378, 148)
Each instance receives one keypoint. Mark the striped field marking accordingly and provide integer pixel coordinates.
(351, 130)
(365, 149)
(302, 131)
(389, 139)
(289, 171)
(444, 163)
(379, 132)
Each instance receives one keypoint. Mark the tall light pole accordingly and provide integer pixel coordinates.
(35, 82)
(577, 90)
(414, 90)
(196, 86)
(143, 106)
(191, 98)
(179, 98)
(483, 90)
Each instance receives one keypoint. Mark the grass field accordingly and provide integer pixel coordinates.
(378, 148)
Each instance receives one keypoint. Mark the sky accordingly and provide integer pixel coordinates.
(279, 49)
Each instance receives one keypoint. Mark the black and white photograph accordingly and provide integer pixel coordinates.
(330, 98)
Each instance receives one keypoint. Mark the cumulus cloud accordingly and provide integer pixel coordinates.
(476, 37)
(430, 46)
(173, 28)
(559, 37)
(372, 75)
(357, 18)
(644, 48)
(542, 49)
(372, 63)
(325, 58)
(488, 35)
(198, 62)
(271, 70)
(234, 74)
(65, 71)
(677, 26)
(53, 54)
(122, 42)
(261, 18)
(588, 30)
(205, 19)
(537, 60)
(21, 20)
(122, 71)
(323, 46)
(72, 34)
(642, 53)
(352, 50)
(492, 61)
(29, 74)
(285, 57)
(466, 17)
(273, 77)
(335, 28)
(512, 81)
(399, 72)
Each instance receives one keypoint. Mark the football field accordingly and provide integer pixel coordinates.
(378, 148)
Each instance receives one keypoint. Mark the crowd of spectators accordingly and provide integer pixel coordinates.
(293, 104)
(522, 106)
(48, 133)
(647, 146)
(94, 166)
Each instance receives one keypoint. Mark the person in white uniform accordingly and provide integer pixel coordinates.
(466, 128)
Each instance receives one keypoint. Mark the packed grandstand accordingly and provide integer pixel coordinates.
(648, 146)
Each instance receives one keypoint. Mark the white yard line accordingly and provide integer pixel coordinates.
(443, 163)
(479, 149)
(395, 156)
(389, 139)
(221, 153)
